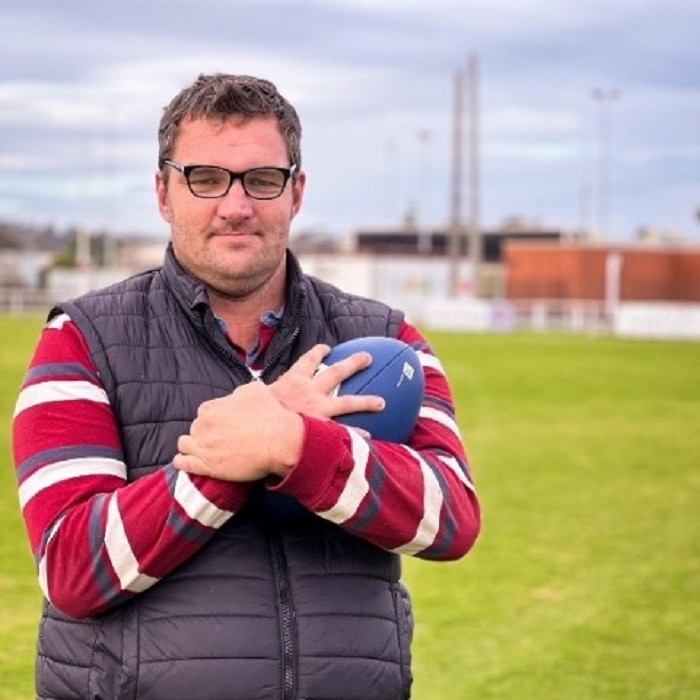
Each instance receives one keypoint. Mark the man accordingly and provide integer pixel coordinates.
(200, 535)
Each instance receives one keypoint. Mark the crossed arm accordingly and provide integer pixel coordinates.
(95, 544)
(258, 430)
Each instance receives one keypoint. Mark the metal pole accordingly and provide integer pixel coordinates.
(454, 241)
(425, 244)
(474, 174)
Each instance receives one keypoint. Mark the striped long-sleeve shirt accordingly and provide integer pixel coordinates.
(98, 540)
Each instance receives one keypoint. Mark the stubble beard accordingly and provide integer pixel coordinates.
(233, 279)
(238, 285)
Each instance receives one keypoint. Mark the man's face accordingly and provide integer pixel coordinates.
(234, 244)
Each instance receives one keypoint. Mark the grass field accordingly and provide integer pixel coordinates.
(586, 580)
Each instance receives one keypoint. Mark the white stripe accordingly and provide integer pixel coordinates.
(454, 465)
(440, 417)
(356, 486)
(120, 553)
(47, 392)
(43, 564)
(57, 322)
(428, 360)
(197, 506)
(44, 579)
(51, 474)
(432, 506)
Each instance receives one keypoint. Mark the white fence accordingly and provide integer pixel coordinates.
(625, 319)
(20, 300)
(651, 320)
(658, 320)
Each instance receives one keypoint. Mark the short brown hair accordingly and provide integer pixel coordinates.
(220, 96)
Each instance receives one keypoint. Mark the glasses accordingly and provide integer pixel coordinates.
(211, 181)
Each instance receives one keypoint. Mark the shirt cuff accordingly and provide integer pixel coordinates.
(324, 466)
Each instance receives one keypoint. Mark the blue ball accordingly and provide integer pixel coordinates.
(395, 374)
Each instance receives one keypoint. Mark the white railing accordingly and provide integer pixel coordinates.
(461, 314)
(25, 300)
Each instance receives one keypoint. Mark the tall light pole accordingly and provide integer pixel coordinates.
(466, 86)
(424, 179)
(605, 100)
(456, 226)
(474, 174)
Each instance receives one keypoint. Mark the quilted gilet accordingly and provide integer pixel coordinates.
(279, 605)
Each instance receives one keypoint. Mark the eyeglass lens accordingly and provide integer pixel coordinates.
(258, 182)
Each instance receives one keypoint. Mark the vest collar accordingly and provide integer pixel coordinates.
(192, 295)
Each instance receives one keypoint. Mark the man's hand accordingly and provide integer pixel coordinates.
(257, 431)
(245, 436)
(305, 390)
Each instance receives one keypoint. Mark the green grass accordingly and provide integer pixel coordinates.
(585, 582)
(19, 595)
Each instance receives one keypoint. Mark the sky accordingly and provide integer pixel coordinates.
(83, 84)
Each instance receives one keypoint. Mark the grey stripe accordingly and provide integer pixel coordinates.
(60, 454)
(58, 370)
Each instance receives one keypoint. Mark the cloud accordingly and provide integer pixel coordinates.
(83, 85)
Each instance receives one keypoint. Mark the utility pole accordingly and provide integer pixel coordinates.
(474, 174)
(605, 99)
(425, 243)
(456, 228)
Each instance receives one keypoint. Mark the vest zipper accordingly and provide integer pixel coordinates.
(287, 618)
(270, 361)
(231, 358)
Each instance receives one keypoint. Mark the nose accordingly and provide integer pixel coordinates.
(235, 203)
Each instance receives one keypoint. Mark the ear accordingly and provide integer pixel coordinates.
(162, 197)
(298, 192)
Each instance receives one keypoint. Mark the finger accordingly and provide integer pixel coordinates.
(186, 445)
(355, 403)
(308, 363)
(190, 464)
(330, 376)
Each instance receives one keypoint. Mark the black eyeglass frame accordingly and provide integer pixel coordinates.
(233, 175)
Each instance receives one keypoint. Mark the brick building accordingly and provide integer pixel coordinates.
(587, 272)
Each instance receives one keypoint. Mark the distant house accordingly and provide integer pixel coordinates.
(424, 244)
(410, 240)
(138, 254)
(23, 268)
(630, 273)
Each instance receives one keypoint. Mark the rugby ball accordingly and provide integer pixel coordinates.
(395, 374)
